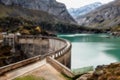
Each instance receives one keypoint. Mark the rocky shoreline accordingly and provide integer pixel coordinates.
(103, 72)
(116, 34)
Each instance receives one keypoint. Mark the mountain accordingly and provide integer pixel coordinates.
(105, 16)
(75, 12)
(39, 7)
(32, 15)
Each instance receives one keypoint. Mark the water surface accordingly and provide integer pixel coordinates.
(93, 49)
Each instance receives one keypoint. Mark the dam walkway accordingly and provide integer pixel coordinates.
(38, 69)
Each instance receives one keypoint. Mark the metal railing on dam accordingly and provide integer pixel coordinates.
(56, 48)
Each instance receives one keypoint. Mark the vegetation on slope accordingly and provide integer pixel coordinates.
(8, 57)
(5, 50)
(116, 28)
(4, 54)
(18, 24)
(32, 15)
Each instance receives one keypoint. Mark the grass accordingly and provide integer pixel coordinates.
(29, 77)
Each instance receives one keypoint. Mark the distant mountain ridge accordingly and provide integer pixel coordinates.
(50, 6)
(75, 12)
(105, 16)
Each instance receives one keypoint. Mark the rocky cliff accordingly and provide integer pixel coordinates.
(50, 6)
(106, 16)
(31, 15)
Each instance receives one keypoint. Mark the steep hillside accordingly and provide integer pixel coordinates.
(32, 15)
(104, 17)
(50, 6)
(13, 17)
(75, 12)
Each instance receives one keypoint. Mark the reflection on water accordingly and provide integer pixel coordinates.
(93, 49)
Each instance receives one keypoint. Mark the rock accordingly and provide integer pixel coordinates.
(107, 72)
(85, 76)
(116, 34)
(50, 6)
(98, 73)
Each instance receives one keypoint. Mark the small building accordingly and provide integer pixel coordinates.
(10, 39)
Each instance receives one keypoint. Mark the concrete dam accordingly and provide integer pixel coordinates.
(40, 49)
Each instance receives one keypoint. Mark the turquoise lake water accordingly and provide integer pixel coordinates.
(93, 49)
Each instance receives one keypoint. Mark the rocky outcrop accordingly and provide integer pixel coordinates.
(103, 72)
(50, 6)
(106, 16)
(106, 72)
(85, 76)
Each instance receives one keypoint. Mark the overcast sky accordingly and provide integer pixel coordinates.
(80, 3)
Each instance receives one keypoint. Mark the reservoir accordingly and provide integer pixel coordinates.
(93, 49)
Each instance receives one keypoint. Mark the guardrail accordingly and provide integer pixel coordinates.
(54, 54)
(59, 67)
(18, 64)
